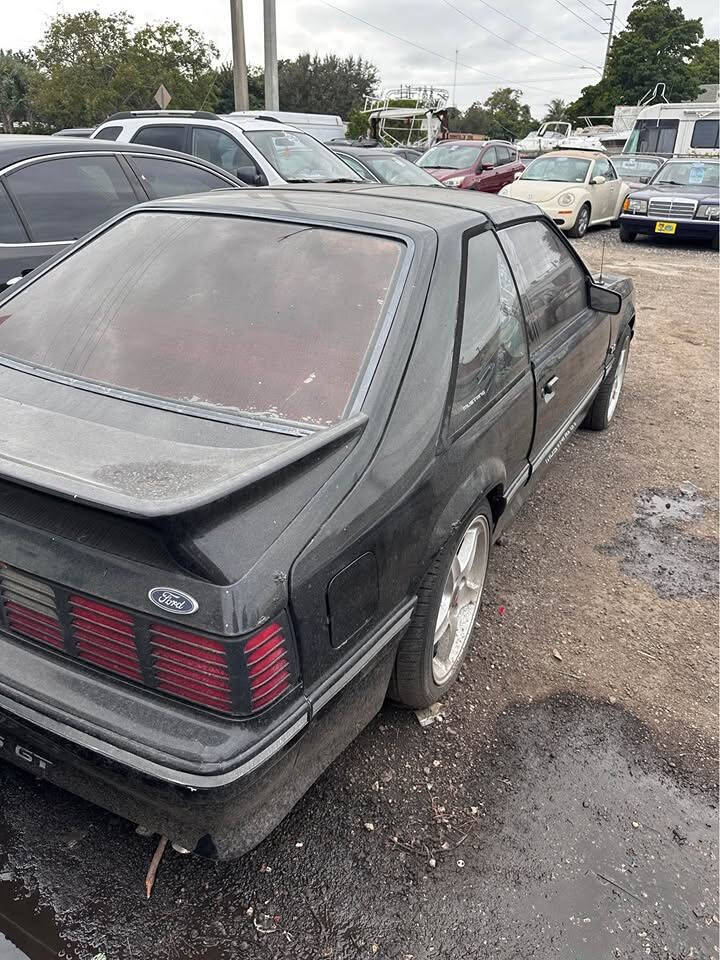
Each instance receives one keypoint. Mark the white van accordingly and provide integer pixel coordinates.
(322, 126)
(676, 129)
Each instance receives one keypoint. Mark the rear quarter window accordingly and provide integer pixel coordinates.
(264, 317)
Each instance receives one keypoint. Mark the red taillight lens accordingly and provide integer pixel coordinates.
(191, 666)
(105, 636)
(268, 665)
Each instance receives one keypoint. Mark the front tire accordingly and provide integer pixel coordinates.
(582, 222)
(627, 236)
(432, 651)
(603, 408)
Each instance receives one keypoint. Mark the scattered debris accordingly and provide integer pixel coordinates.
(461, 863)
(369, 826)
(154, 864)
(428, 715)
(264, 923)
(556, 653)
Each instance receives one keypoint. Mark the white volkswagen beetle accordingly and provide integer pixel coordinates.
(576, 188)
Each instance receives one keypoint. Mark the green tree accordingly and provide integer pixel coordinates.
(507, 116)
(557, 109)
(476, 119)
(330, 84)
(659, 44)
(16, 75)
(705, 62)
(225, 91)
(90, 65)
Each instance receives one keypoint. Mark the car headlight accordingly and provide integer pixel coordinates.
(453, 181)
(565, 198)
(708, 211)
(632, 205)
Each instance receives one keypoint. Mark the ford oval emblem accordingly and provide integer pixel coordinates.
(174, 601)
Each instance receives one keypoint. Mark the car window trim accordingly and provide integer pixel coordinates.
(187, 159)
(19, 214)
(344, 156)
(450, 435)
(366, 372)
(30, 161)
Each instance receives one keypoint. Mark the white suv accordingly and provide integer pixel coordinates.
(258, 152)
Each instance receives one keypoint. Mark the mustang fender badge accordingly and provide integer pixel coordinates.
(174, 601)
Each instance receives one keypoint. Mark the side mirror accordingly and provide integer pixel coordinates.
(518, 174)
(251, 176)
(603, 300)
(12, 280)
(599, 179)
(487, 166)
(644, 179)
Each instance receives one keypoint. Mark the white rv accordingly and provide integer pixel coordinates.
(322, 126)
(676, 129)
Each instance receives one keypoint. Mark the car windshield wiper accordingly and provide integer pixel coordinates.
(674, 183)
(345, 180)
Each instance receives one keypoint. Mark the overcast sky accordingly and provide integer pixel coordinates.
(438, 26)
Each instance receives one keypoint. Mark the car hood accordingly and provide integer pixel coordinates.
(444, 173)
(702, 193)
(539, 191)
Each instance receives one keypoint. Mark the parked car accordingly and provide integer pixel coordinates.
(680, 201)
(52, 191)
(385, 166)
(322, 126)
(74, 132)
(486, 165)
(257, 446)
(258, 152)
(576, 188)
(636, 171)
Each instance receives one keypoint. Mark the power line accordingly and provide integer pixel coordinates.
(433, 53)
(538, 56)
(538, 35)
(578, 17)
(591, 9)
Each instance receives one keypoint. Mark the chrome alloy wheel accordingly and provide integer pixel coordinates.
(460, 599)
(583, 222)
(617, 383)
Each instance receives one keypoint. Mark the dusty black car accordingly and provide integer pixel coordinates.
(54, 189)
(682, 200)
(384, 165)
(256, 449)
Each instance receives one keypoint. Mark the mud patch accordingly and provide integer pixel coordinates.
(655, 547)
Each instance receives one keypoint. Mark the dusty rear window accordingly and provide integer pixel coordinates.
(263, 317)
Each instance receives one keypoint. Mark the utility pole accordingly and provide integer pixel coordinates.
(455, 78)
(272, 95)
(240, 81)
(610, 34)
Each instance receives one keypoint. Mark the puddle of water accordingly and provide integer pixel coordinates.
(655, 548)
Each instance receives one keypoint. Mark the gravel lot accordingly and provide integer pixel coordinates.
(564, 803)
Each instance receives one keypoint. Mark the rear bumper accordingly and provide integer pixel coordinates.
(215, 810)
(685, 229)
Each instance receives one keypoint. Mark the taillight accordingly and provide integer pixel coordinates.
(191, 666)
(268, 665)
(30, 607)
(104, 636)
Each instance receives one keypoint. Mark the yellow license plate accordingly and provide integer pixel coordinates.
(662, 227)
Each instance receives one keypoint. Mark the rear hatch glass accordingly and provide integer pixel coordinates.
(260, 317)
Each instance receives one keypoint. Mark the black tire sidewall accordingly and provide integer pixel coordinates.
(417, 644)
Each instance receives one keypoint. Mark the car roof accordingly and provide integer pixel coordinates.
(365, 151)
(570, 152)
(169, 119)
(17, 147)
(427, 206)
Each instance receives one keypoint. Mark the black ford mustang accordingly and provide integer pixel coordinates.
(256, 447)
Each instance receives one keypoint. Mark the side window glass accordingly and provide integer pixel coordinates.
(172, 178)
(603, 169)
(221, 149)
(109, 133)
(356, 166)
(170, 137)
(503, 154)
(552, 285)
(63, 199)
(11, 229)
(493, 351)
(705, 134)
(490, 156)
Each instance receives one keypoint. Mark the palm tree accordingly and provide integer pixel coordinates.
(556, 110)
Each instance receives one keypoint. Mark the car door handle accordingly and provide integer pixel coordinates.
(549, 389)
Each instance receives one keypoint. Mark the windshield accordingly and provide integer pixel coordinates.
(298, 157)
(689, 173)
(262, 317)
(452, 156)
(561, 169)
(394, 169)
(635, 166)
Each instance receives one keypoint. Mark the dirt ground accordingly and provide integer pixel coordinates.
(563, 805)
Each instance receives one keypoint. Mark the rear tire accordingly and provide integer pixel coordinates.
(582, 222)
(627, 236)
(603, 408)
(432, 651)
